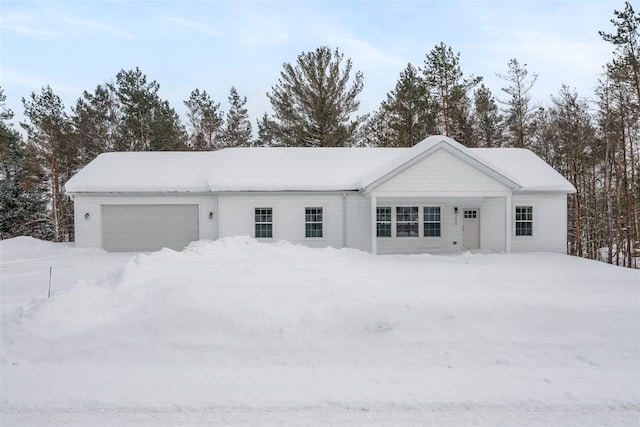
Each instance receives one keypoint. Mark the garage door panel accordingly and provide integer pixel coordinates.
(148, 227)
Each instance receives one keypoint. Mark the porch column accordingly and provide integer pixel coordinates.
(374, 233)
(508, 223)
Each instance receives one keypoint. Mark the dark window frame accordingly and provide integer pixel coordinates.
(432, 221)
(383, 221)
(523, 221)
(407, 221)
(314, 222)
(263, 223)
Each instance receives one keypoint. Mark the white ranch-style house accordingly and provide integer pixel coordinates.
(436, 197)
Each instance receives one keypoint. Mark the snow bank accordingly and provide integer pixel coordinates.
(27, 247)
(239, 322)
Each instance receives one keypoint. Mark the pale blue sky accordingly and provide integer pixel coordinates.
(212, 45)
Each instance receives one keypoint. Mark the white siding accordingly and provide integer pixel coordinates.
(443, 173)
(88, 231)
(549, 223)
(237, 216)
(358, 222)
(492, 227)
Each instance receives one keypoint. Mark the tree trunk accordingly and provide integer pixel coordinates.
(55, 196)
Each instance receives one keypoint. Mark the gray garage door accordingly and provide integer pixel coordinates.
(148, 227)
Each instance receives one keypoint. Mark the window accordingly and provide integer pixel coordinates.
(524, 220)
(407, 221)
(383, 226)
(432, 221)
(312, 222)
(264, 222)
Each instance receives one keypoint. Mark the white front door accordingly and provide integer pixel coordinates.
(471, 229)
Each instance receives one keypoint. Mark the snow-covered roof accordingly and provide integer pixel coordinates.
(425, 147)
(294, 169)
(526, 168)
(313, 169)
(157, 171)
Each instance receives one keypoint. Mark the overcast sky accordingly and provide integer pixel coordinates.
(75, 45)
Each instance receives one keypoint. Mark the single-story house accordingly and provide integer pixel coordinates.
(437, 197)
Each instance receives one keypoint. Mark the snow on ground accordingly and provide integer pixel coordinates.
(237, 332)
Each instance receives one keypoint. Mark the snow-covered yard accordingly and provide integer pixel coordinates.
(244, 333)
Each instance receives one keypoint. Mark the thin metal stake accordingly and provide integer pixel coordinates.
(49, 295)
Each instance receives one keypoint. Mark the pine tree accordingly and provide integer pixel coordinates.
(543, 137)
(136, 100)
(573, 140)
(487, 118)
(375, 131)
(167, 132)
(623, 133)
(407, 111)
(314, 100)
(611, 118)
(23, 208)
(627, 42)
(449, 90)
(237, 132)
(267, 132)
(50, 137)
(518, 108)
(145, 122)
(95, 123)
(205, 121)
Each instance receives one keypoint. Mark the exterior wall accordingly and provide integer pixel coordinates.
(491, 225)
(237, 216)
(549, 223)
(89, 232)
(236, 212)
(443, 173)
(358, 222)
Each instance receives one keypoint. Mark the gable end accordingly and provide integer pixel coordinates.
(457, 153)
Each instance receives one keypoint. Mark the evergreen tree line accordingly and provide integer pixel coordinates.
(592, 141)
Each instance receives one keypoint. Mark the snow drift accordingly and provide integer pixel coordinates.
(276, 324)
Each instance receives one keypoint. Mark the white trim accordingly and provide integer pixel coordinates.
(533, 222)
(422, 221)
(390, 222)
(394, 215)
(324, 222)
(273, 231)
(394, 220)
(344, 220)
(508, 223)
(374, 220)
(440, 194)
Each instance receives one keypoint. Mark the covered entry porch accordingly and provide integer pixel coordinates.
(439, 224)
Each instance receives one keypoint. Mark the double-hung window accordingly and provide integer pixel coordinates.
(524, 220)
(313, 222)
(264, 222)
(407, 221)
(383, 222)
(432, 221)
